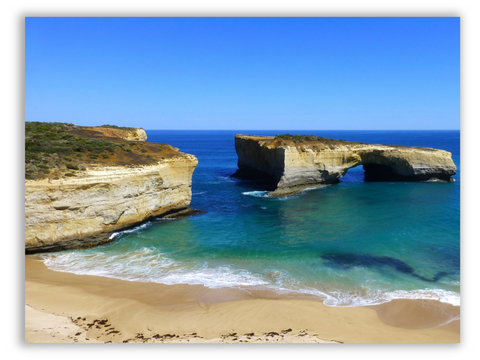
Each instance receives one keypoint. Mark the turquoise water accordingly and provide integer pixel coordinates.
(354, 243)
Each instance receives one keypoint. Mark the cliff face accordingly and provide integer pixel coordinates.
(293, 166)
(83, 209)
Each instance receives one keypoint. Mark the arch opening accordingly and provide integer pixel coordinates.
(355, 174)
(381, 172)
(373, 173)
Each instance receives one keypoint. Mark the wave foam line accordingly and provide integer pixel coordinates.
(377, 298)
(256, 193)
(129, 231)
(148, 265)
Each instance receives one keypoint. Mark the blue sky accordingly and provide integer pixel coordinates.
(245, 73)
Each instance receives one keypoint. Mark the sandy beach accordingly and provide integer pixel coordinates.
(67, 308)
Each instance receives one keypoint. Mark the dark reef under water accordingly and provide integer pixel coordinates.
(347, 261)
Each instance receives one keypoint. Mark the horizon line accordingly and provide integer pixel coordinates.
(295, 130)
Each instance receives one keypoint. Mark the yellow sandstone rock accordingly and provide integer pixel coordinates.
(108, 195)
(79, 212)
(293, 166)
(130, 134)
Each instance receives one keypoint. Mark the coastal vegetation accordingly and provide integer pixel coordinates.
(117, 127)
(284, 139)
(309, 138)
(55, 150)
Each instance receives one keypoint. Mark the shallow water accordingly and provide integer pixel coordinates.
(354, 243)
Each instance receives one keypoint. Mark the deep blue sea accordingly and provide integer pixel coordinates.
(353, 243)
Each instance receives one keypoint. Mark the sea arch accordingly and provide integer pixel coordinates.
(291, 168)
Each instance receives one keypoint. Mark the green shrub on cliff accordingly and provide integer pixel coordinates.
(73, 167)
(53, 138)
(117, 127)
(56, 143)
(53, 148)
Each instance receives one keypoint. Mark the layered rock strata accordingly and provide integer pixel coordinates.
(86, 209)
(291, 166)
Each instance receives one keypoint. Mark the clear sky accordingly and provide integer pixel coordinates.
(245, 73)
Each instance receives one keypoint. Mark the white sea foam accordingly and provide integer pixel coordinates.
(444, 296)
(312, 188)
(213, 278)
(129, 231)
(135, 266)
(264, 194)
(137, 228)
(256, 193)
(345, 299)
(149, 265)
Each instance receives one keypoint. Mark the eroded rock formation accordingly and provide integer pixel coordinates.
(129, 134)
(106, 196)
(292, 164)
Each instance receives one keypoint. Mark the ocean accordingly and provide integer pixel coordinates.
(351, 244)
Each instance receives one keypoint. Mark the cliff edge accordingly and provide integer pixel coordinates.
(125, 133)
(82, 184)
(295, 162)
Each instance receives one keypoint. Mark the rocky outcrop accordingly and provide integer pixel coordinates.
(291, 164)
(85, 211)
(129, 134)
(134, 183)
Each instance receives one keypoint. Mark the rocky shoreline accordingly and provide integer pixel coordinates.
(84, 210)
(291, 163)
(136, 181)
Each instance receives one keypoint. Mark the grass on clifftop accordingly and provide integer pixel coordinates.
(306, 138)
(319, 142)
(54, 150)
(117, 127)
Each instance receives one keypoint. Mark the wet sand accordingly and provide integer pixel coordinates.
(63, 307)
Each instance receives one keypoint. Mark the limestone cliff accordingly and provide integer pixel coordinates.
(120, 188)
(295, 163)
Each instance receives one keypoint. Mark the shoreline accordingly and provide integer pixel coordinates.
(84, 308)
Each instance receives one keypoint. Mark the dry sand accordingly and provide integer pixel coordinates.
(63, 307)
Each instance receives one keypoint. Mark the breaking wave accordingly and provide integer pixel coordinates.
(149, 265)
